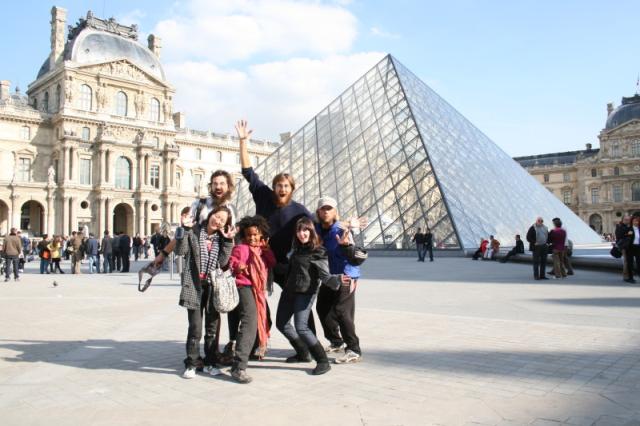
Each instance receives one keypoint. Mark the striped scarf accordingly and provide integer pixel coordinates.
(209, 250)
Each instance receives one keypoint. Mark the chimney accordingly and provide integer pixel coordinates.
(609, 109)
(179, 120)
(285, 136)
(58, 22)
(589, 147)
(154, 44)
(5, 85)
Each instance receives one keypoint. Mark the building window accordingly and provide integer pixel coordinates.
(219, 156)
(635, 191)
(24, 169)
(121, 104)
(86, 97)
(594, 173)
(616, 171)
(546, 178)
(154, 175)
(178, 180)
(615, 150)
(25, 133)
(86, 133)
(123, 173)
(197, 181)
(635, 148)
(566, 196)
(45, 104)
(156, 142)
(58, 98)
(566, 177)
(198, 154)
(617, 193)
(595, 195)
(85, 171)
(154, 109)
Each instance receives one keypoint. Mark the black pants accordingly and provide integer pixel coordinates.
(336, 310)
(420, 250)
(248, 316)
(233, 322)
(55, 265)
(194, 334)
(634, 260)
(117, 261)
(11, 261)
(427, 248)
(125, 260)
(509, 254)
(539, 261)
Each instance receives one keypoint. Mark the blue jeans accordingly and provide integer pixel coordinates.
(93, 261)
(44, 265)
(106, 262)
(298, 306)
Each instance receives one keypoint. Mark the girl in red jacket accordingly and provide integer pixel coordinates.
(250, 263)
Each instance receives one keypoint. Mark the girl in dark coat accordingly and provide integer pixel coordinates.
(308, 268)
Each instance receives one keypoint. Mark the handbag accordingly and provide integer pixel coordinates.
(225, 293)
(616, 252)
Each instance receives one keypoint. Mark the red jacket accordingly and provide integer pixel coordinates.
(240, 258)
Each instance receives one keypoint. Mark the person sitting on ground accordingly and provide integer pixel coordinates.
(516, 250)
(483, 247)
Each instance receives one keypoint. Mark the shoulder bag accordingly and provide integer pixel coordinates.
(225, 292)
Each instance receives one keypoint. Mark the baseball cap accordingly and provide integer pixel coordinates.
(327, 201)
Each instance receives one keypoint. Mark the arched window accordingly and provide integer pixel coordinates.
(45, 104)
(154, 110)
(123, 173)
(635, 191)
(58, 98)
(219, 156)
(121, 103)
(86, 97)
(198, 154)
(616, 171)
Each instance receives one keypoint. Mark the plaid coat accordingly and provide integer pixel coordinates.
(191, 295)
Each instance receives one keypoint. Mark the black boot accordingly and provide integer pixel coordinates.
(318, 353)
(302, 352)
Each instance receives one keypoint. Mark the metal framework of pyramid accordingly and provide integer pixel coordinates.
(391, 149)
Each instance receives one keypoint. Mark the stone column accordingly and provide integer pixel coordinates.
(49, 229)
(14, 214)
(102, 166)
(64, 176)
(146, 218)
(65, 215)
(73, 213)
(107, 167)
(146, 169)
(141, 216)
(100, 218)
(172, 173)
(107, 215)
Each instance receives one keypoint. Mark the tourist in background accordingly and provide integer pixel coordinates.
(624, 236)
(516, 250)
(537, 237)
(92, 248)
(634, 258)
(55, 247)
(10, 252)
(557, 240)
(418, 238)
(44, 253)
(107, 253)
(428, 245)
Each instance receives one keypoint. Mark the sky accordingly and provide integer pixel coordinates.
(534, 76)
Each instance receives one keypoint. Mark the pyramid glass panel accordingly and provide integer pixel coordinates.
(390, 149)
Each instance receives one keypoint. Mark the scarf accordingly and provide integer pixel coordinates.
(209, 250)
(258, 273)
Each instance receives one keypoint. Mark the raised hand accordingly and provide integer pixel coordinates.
(242, 129)
(344, 240)
(229, 232)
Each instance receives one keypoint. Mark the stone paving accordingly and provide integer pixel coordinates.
(453, 342)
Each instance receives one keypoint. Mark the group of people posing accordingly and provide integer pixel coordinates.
(310, 256)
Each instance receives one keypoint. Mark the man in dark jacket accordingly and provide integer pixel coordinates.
(418, 238)
(115, 247)
(107, 253)
(125, 250)
(137, 247)
(518, 249)
(537, 237)
(624, 233)
(92, 254)
(428, 245)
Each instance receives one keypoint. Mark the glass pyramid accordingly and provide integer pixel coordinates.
(391, 149)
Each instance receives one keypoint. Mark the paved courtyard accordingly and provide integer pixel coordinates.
(454, 342)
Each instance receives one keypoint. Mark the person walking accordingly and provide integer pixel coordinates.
(106, 249)
(557, 239)
(92, 254)
(11, 252)
(418, 238)
(55, 247)
(336, 309)
(537, 237)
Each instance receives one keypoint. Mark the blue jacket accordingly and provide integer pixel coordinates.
(337, 262)
(92, 247)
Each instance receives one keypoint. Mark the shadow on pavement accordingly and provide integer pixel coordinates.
(627, 302)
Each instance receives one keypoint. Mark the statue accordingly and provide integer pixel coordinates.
(51, 175)
(139, 104)
(101, 97)
(68, 90)
(166, 107)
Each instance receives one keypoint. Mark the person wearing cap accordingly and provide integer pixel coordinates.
(336, 309)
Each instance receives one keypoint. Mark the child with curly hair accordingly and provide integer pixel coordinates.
(250, 262)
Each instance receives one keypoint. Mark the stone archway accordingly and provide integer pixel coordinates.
(4, 218)
(32, 218)
(123, 219)
(595, 222)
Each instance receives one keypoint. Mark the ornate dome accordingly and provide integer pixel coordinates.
(95, 40)
(629, 110)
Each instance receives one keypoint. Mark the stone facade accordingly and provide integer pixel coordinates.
(599, 185)
(95, 140)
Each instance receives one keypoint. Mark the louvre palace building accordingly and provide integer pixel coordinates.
(95, 140)
(599, 185)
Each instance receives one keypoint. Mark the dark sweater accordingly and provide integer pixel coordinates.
(282, 220)
(308, 269)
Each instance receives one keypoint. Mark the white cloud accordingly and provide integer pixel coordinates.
(378, 32)
(275, 97)
(224, 31)
(132, 17)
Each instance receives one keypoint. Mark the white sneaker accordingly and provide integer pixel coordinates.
(333, 349)
(212, 371)
(348, 358)
(189, 373)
